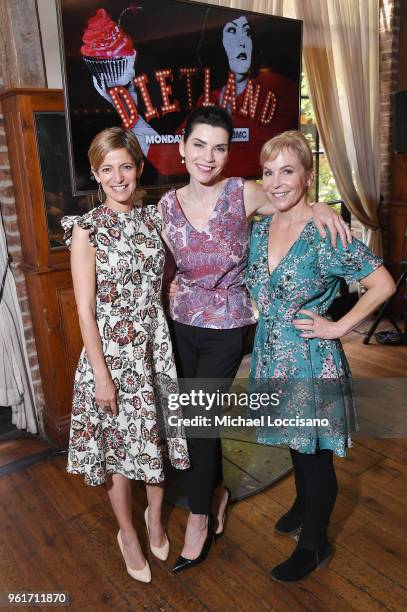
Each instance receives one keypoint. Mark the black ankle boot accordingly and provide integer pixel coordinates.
(302, 562)
(290, 523)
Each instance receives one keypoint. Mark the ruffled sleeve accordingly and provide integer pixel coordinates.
(86, 222)
(353, 263)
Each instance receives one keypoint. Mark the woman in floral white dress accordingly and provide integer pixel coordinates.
(117, 263)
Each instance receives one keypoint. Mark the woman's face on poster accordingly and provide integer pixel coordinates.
(238, 44)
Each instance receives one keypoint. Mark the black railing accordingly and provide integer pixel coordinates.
(345, 214)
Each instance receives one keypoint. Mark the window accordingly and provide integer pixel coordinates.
(324, 187)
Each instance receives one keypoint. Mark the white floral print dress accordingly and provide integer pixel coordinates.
(137, 348)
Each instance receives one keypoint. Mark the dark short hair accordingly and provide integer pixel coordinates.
(209, 115)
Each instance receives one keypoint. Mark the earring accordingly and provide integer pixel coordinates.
(182, 160)
(100, 194)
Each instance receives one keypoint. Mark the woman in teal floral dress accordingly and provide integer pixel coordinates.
(117, 263)
(294, 275)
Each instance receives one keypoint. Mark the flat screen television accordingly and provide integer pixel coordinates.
(146, 65)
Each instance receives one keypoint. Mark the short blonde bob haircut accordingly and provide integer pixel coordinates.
(111, 139)
(292, 141)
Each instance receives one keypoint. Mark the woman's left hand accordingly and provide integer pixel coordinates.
(316, 326)
(172, 288)
(324, 216)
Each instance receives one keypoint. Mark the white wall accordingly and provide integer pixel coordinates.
(50, 42)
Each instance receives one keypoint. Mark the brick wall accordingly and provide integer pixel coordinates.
(8, 210)
(389, 38)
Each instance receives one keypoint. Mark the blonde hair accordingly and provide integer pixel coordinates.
(292, 141)
(111, 139)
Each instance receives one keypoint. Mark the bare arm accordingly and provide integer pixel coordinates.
(83, 264)
(256, 202)
(380, 286)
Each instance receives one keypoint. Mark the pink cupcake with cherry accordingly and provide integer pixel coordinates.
(107, 50)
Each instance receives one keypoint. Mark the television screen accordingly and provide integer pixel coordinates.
(146, 65)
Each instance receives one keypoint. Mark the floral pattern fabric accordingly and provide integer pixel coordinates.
(137, 348)
(211, 263)
(311, 375)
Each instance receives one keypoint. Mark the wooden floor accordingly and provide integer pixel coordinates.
(56, 534)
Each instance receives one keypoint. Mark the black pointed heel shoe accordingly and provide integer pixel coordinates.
(182, 563)
(302, 563)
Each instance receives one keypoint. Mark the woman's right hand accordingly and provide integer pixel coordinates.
(106, 394)
(102, 83)
(101, 87)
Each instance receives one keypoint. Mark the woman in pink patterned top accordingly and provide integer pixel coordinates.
(211, 263)
(207, 229)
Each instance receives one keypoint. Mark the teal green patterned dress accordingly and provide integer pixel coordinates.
(311, 376)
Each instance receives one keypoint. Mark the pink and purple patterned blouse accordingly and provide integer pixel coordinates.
(211, 263)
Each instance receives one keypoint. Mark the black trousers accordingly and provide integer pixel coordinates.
(316, 487)
(202, 353)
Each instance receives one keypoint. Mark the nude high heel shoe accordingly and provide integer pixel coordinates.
(161, 552)
(143, 575)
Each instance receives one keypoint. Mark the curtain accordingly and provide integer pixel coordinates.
(16, 388)
(341, 60)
